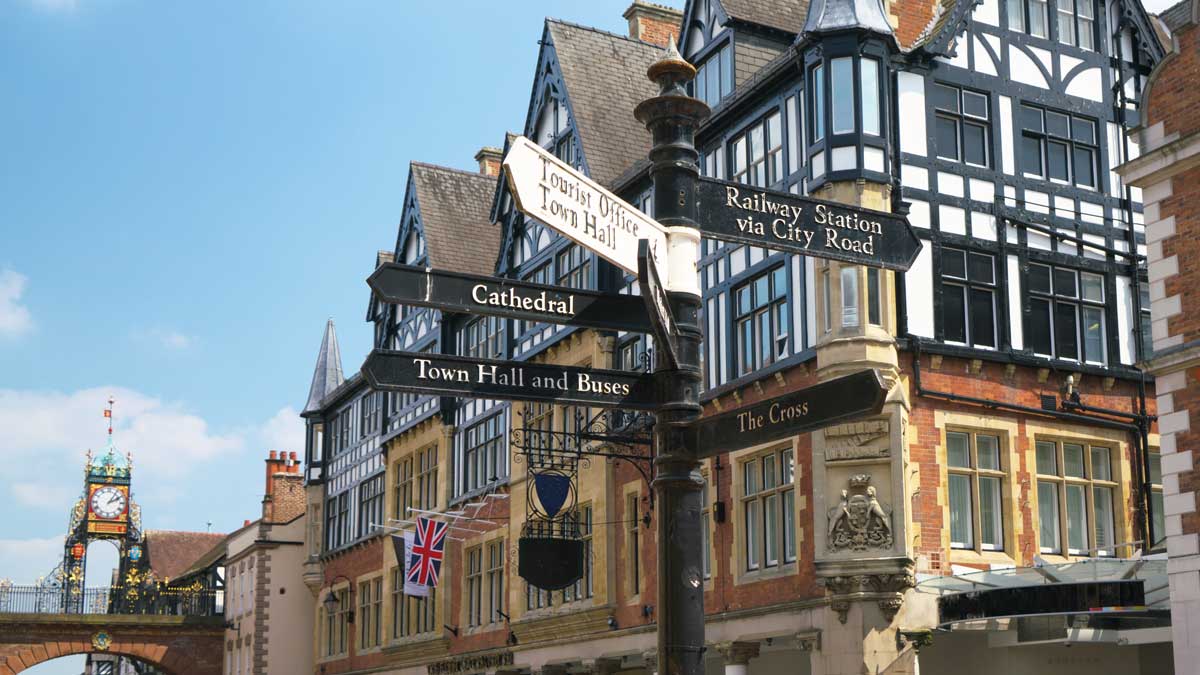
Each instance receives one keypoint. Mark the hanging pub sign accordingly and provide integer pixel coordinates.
(657, 307)
(786, 222)
(845, 398)
(478, 294)
(548, 189)
(443, 375)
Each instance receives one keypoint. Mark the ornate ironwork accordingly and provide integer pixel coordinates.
(155, 598)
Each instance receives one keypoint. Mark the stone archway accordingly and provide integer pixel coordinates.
(177, 645)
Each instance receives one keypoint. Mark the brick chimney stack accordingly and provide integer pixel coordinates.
(653, 23)
(489, 159)
(283, 499)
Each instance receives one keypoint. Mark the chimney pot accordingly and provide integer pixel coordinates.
(653, 23)
(292, 456)
(273, 455)
(245, 522)
(489, 159)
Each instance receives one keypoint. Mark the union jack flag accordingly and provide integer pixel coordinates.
(428, 547)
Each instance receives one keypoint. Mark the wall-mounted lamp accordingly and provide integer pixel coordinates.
(612, 623)
(332, 603)
(452, 629)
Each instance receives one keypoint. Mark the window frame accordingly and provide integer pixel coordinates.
(976, 473)
(1056, 301)
(968, 285)
(768, 507)
(775, 309)
(1063, 482)
(1042, 134)
(961, 119)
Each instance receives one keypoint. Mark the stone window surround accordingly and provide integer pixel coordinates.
(736, 515)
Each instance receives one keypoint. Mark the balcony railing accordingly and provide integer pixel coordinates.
(183, 601)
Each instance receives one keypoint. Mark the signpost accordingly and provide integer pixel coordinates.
(552, 191)
(477, 294)
(788, 222)
(445, 375)
(850, 397)
(662, 321)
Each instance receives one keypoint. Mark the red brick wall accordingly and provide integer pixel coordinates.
(1184, 206)
(913, 16)
(171, 649)
(1172, 95)
(653, 23)
(362, 560)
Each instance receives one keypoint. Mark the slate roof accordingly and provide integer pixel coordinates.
(605, 78)
(784, 15)
(171, 553)
(1177, 15)
(327, 375)
(455, 212)
(832, 15)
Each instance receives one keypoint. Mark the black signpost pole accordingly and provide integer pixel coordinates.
(672, 118)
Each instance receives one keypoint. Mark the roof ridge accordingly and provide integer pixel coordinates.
(439, 167)
(601, 31)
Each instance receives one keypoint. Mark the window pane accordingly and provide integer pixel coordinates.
(753, 525)
(849, 296)
(1093, 334)
(974, 144)
(771, 529)
(1155, 468)
(788, 465)
(1039, 278)
(873, 308)
(945, 98)
(954, 313)
(1092, 286)
(1083, 130)
(1064, 283)
(958, 450)
(954, 263)
(991, 534)
(988, 449)
(1076, 519)
(1038, 18)
(1047, 462)
(983, 317)
(751, 472)
(768, 469)
(1048, 517)
(842, 81)
(714, 81)
(1031, 118)
(1056, 160)
(1031, 155)
(726, 70)
(870, 95)
(1085, 167)
(975, 105)
(1103, 517)
(982, 268)
(1039, 327)
(1073, 460)
(1066, 335)
(818, 99)
(1058, 124)
(1158, 522)
(1016, 15)
(960, 511)
(946, 137)
(1066, 22)
(789, 525)
(1101, 469)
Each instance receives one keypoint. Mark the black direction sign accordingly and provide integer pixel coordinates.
(478, 294)
(441, 375)
(787, 222)
(857, 395)
(661, 318)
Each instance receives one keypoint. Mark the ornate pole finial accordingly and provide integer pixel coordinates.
(108, 414)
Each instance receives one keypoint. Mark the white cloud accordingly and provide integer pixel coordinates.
(14, 317)
(23, 561)
(284, 432)
(166, 338)
(43, 495)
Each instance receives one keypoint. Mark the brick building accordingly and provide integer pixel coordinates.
(1017, 441)
(1168, 173)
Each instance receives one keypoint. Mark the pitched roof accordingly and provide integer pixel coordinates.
(1177, 15)
(327, 375)
(171, 553)
(455, 212)
(948, 19)
(784, 15)
(605, 78)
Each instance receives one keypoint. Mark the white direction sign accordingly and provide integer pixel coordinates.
(550, 190)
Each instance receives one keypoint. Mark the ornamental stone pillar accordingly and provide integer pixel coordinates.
(737, 656)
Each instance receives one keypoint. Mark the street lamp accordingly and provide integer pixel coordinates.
(331, 602)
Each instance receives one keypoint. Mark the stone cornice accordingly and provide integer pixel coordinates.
(1180, 357)
(1160, 163)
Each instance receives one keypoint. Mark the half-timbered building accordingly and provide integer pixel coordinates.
(1017, 447)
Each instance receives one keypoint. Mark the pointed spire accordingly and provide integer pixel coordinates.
(327, 376)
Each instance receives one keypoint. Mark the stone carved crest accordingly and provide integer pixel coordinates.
(859, 521)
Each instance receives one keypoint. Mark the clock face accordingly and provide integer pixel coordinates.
(108, 502)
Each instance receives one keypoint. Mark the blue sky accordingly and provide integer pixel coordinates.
(188, 191)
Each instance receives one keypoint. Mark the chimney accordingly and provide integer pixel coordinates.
(653, 23)
(382, 258)
(274, 461)
(489, 159)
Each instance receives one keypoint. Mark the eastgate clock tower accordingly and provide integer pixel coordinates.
(105, 511)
